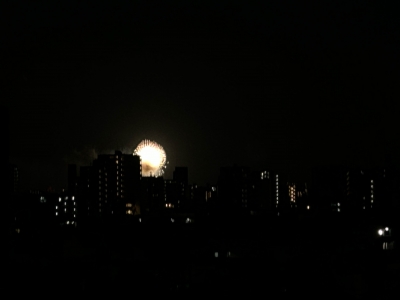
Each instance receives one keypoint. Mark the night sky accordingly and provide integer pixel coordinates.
(285, 86)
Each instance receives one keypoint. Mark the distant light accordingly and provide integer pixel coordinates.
(386, 229)
(380, 231)
(308, 207)
(172, 220)
(216, 254)
(59, 199)
(73, 198)
(67, 222)
(140, 219)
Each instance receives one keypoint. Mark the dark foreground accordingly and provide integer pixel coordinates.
(277, 258)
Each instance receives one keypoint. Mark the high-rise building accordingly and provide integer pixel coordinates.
(72, 179)
(371, 188)
(233, 187)
(115, 184)
(153, 197)
(177, 190)
(340, 189)
(87, 205)
(243, 188)
(328, 189)
(66, 209)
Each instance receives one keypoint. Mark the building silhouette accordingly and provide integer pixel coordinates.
(113, 184)
(153, 198)
(242, 188)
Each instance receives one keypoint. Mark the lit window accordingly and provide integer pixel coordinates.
(308, 207)
(129, 212)
(65, 210)
(56, 207)
(59, 199)
(56, 213)
(129, 205)
(73, 198)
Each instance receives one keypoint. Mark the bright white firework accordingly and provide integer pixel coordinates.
(153, 158)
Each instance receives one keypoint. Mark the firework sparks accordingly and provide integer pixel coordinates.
(153, 158)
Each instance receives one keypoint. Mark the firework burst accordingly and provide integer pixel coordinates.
(153, 158)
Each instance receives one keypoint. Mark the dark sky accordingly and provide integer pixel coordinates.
(285, 86)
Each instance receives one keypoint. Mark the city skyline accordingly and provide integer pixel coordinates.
(278, 86)
(274, 126)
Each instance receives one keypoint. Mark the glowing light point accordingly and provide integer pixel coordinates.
(380, 231)
(153, 158)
